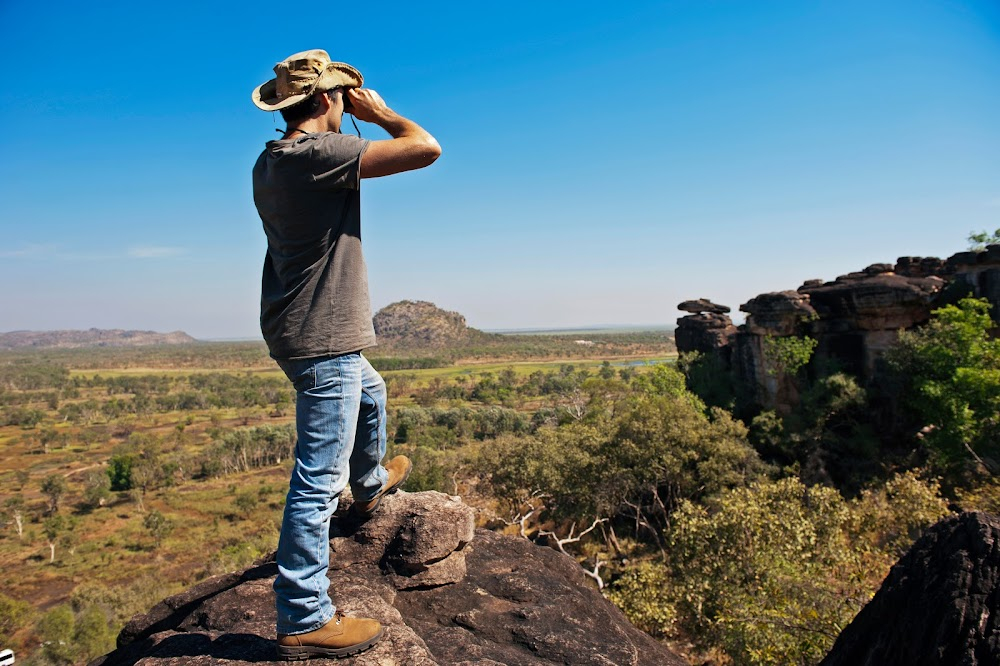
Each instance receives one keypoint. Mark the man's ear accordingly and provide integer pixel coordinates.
(324, 103)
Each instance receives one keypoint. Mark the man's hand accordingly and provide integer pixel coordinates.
(411, 146)
(366, 104)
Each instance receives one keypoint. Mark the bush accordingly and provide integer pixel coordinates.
(772, 573)
(14, 614)
(950, 370)
(71, 638)
(56, 630)
(787, 355)
(633, 452)
(122, 602)
(120, 471)
(641, 593)
(159, 526)
(432, 468)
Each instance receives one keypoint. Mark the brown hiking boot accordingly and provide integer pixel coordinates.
(399, 469)
(340, 637)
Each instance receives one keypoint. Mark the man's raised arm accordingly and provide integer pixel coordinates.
(411, 146)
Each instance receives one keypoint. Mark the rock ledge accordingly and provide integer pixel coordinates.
(447, 594)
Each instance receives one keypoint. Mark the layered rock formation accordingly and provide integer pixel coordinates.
(446, 593)
(854, 319)
(939, 606)
(709, 328)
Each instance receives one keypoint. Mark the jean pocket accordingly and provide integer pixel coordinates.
(302, 374)
(327, 373)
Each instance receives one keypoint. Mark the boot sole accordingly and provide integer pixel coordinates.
(378, 500)
(303, 652)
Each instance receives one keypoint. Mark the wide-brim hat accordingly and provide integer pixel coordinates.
(299, 76)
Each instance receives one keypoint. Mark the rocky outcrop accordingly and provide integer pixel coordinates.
(704, 332)
(94, 337)
(939, 606)
(854, 319)
(778, 313)
(708, 329)
(419, 324)
(446, 593)
(703, 305)
(858, 319)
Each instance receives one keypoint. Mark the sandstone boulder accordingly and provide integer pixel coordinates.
(920, 266)
(446, 593)
(874, 302)
(706, 332)
(777, 313)
(703, 305)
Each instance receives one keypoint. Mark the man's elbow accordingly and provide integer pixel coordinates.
(430, 150)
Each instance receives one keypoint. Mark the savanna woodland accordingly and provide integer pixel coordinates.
(736, 534)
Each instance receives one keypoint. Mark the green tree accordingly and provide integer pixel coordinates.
(979, 241)
(120, 471)
(53, 528)
(14, 614)
(159, 526)
(635, 453)
(787, 355)
(92, 634)
(642, 593)
(96, 489)
(773, 572)
(828, 437)
(950, 370)
(54, 487)
(56, 630)
(14, 508)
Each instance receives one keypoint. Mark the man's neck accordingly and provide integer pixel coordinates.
(313, 125)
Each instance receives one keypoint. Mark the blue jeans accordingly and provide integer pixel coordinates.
(340, 419)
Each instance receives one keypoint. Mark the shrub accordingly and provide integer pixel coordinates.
(950, 370)
(772, 573)
(14, 614)
(641, 593)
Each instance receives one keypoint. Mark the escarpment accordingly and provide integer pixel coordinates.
(854, 319)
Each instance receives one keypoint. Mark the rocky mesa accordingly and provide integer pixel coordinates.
(93, 337)
(420, 324)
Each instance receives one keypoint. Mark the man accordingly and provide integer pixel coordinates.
(316, 318)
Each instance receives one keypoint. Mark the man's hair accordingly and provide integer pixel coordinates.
(305, 109)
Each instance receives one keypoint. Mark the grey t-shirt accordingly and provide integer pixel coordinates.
(314, 293)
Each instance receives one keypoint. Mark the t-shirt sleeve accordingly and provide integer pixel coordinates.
(337, 161)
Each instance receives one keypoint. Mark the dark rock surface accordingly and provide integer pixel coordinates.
(447, 594)
(940, 604)
(882, 301)
(703, 305)
(705, 332)
(920, 267)
(777, 313)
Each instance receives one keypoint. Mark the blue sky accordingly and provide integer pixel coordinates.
(602, 161)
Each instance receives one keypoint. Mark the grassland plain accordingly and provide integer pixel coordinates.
(127, 474)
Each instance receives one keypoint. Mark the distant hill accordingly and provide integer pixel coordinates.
(420, 324)
(94, 337)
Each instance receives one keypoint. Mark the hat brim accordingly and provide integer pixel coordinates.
(336, 74)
